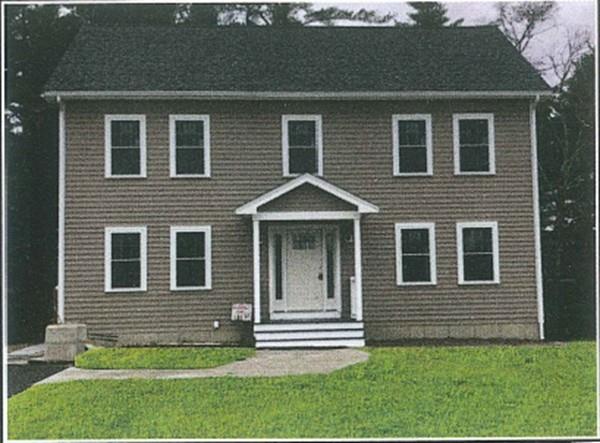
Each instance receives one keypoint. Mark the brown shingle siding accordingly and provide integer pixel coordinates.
(245, 162)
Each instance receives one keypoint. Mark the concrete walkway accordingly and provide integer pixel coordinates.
(264, 364)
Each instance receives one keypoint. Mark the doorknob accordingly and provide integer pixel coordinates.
(320, 276)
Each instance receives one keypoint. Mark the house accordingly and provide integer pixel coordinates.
(342, 184)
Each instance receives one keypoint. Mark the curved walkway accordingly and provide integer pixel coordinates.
(264, 364)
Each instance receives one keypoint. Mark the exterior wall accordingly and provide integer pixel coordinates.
(246, 162)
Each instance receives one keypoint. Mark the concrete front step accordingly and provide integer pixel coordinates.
(330, 343)
(277, 327)
(309, 335)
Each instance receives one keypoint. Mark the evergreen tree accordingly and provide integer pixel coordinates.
(430, 15)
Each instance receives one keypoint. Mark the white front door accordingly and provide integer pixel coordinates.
(304, 285)
(304, 272)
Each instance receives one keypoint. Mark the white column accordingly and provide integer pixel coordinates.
(256, 255)
(358, 269)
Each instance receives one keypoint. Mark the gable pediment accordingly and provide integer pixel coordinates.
(307, 193)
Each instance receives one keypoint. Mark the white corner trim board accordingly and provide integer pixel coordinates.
(60, 303)
(536, 219)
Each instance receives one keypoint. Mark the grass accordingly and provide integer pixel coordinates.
(160, 358)
(406, 392)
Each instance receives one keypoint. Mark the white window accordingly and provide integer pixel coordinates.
(478, 257)
(474, 144)
(412, 142)
(415, 254)
(125, 146)
(190, 257)
(189, 145)
(125, 259)
(302, 144)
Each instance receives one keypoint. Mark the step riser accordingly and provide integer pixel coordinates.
(307, 327)
(340, 343)
(308, 335)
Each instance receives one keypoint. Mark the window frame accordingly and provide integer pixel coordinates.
(285, 119)
(108, 119)
(456, 118)
(495, 252)
(430, 226)
(428, 143)
(207, 230)
(173, 119)
(108, 232)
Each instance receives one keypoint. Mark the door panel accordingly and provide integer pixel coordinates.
(305, 280)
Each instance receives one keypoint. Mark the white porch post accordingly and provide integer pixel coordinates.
(358, 268)
(256, 255)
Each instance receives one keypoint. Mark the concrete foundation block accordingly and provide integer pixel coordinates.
(65, 341)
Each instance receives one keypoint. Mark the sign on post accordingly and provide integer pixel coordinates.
(241, 312)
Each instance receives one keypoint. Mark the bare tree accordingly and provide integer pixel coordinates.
(521, 22)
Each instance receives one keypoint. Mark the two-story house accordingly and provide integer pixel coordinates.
(348, 183)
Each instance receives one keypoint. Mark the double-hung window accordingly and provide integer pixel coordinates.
(302, 144)
(474, 144)
(189, 145)
(478, 257)
(125, 259)
(190, 257)
(125, 146)
(415, 254)
(412, 143)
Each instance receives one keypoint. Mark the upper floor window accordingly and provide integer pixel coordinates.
(125, 259)
(125, 146)
(415, 254)
(478, 258)
(302, 144)
(189, 145)
(190, 257)
(474, 144)
(412, 142)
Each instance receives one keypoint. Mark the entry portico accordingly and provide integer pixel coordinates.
(310, 224)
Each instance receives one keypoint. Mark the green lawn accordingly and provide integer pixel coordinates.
(160, 358)
(399, 392)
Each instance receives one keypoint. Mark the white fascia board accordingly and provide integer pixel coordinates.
(251, 208)
(293, 95)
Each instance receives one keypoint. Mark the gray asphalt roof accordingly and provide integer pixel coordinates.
(354, 59)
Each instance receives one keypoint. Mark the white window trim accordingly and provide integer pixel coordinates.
(432, 254)
(495, 246)
(108, 118)
(172, 144)
(428, 143)
(285, 119)
(108, 256)
(207, 254)
(456, 118)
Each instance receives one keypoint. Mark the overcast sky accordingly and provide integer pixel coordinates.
(571, 16)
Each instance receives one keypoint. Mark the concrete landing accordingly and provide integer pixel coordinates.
(266, 363)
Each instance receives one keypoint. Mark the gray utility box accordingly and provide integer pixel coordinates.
(65, 341)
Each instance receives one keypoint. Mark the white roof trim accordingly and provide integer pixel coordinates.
(251, 208)
(292, 95)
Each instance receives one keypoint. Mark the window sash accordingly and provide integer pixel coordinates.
(425, 254)
(412, 144)
(190, 263)
(125, 264)
(298, 157)
(188, 159)
(116, 154)
(474, 153)
(478, 253)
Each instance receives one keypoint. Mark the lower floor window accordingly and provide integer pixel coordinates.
(477, 244)
(125, 259)
(190, 257)
(415, 253)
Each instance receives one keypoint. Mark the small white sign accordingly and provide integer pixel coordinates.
(241, 312)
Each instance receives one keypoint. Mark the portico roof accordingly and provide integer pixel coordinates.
(252, 207)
